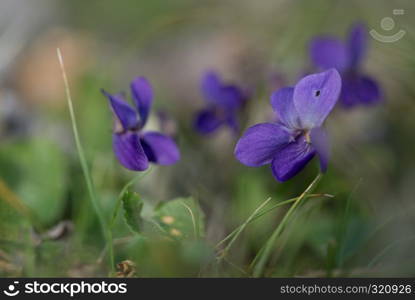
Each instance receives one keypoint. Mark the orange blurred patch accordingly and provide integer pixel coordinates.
(38, 76)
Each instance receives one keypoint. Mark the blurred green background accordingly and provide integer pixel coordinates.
(47, 224)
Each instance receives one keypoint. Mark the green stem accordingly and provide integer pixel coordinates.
(115, 214)
(84, 165)
(258, 215)
(110, 251)
(262, 257)
(242, 227)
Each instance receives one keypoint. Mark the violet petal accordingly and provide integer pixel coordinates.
(319, 141)
(207, 121)
(260, 143)
(142, 93)
(160, 148)
(129, 152)
(215, 92)
(283, 104)
(291, 159)
(315, 96)
(231, 97)
(327, 52)
(357, 44)
(124, 113)
(211, 86)
(359, 90)
(369, 91)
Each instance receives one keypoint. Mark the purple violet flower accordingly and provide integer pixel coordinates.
(347, 58)
(134, 148)
(291, 143)
(223, 103)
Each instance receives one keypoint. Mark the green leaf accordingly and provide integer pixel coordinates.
(133, 205)
(180, 218)
(36, 171)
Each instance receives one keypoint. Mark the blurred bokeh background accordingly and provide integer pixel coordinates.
(47, 224)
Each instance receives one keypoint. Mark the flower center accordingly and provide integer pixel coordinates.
(302, 133)
(307, 136)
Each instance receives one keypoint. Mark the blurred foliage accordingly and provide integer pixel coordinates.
(44, 169)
